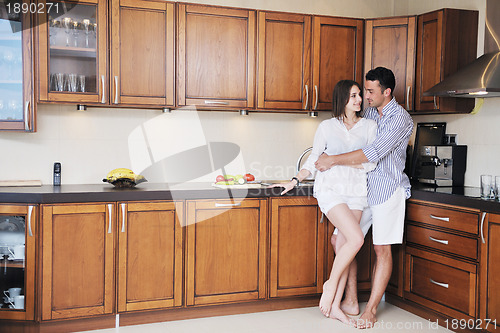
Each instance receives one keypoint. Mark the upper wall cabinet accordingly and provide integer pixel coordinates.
(216, 57)
(73, 54)
(337, 54)
(390, 43)
(17, 108)
(447, 41)
(300, 62)
(142, 53)
(284, 66)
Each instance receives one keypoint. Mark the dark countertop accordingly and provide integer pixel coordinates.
(458, 196)
(144, 191)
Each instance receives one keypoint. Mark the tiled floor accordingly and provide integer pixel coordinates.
(390, 318)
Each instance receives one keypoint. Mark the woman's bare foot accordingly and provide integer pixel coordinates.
(350, 308)
(337, 313)
(367, 320)
(325, 302)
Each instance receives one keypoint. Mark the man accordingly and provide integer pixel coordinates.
(388, 186)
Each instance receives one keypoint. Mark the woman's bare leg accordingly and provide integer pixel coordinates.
(347, 223)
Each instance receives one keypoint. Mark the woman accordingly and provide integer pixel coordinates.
(341, 191)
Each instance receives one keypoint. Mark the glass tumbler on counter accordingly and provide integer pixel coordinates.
(487, 187)
(497, 187)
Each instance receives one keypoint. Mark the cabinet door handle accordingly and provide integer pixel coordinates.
(110, 217)
(446, 219)
(307, 97)
(123, 216)
(435, 104)
(26, 116)
(103, 98)
(227, 205)
(408, 98)
(316, 93)
(482, 227)
(322, 217)
(217, 102)
(116, 89)
(445, 242)
(444, 285)
(30, 212)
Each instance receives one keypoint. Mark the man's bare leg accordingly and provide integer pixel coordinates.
(350, 303)
(381, 276)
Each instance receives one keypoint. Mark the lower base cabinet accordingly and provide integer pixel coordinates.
(297, 247)
(149, 255)
(77, 260)
(226, 251)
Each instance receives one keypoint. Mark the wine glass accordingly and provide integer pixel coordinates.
(66, 22)
(94, 32)
(53, 25)
(86, 28)
(75, 29)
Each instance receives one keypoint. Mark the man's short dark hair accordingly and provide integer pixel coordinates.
(383, 75)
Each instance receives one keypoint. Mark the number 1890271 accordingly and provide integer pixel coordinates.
(32, 8)
(472, 324)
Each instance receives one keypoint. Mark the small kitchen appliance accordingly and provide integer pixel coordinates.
(442, 165)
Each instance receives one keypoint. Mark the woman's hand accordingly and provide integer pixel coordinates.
(287, 186)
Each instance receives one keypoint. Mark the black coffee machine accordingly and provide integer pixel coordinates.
(434, 161)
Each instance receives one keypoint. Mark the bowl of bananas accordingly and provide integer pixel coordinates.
(123, 178)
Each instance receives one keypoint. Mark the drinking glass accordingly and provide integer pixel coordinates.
(487, 187)
(75, 29)
(59, 81)
(86, 28)
(81, 83)
(497, 187)
(94, 32)
(53, 25)
(67, 28)
(71, 82)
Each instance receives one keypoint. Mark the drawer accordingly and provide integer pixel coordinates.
(443, 217)
(459, 245)
(440, 283)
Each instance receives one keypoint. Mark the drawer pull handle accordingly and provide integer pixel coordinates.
(446, 219)
(482, 227)
(123, 216)
(110, 217)
(217, 102)
(444, 285)
(445, 242)
(227, 205)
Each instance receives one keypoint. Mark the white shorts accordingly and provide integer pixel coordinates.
(328, 200)
(388, 219)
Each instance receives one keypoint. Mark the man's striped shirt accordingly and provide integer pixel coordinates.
(388, 151)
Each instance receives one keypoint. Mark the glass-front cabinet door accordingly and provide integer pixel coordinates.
(17, 261)
(72, 57)
(16, 96)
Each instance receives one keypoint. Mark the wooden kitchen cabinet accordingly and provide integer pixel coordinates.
(441, 258)
(390, 43)
(226, 251)
(142, 53)
(17, 107)
(446, 42)
(18, 232)
(489, 294)
(150, 255)
(216, 57)
(310, 54)
(72, 57)
(297, 247)
(77, 260)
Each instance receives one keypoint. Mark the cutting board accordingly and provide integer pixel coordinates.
(4, 183)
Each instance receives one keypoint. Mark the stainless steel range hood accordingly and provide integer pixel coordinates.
(481, 78)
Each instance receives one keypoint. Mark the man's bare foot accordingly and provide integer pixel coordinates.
(367, 320)
(337, 313)
(350, 308)
(325, 302)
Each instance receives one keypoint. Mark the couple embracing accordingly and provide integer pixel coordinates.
(360, 183)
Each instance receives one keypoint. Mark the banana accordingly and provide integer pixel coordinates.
(123, 177)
